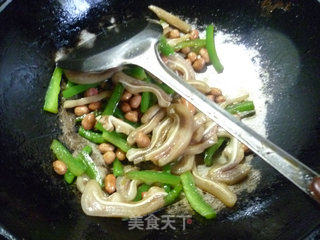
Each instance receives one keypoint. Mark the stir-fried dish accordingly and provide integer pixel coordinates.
(144, 141)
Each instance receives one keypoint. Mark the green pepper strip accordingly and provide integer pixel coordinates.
(196, 43)
(244, 106)
(52, 95)
(164, 47)
(212, 50)
(167, 169)
(74, 90)
(208, 154)
(92, 170)
(142, 188)
(117, 168)
(194, 198)
(149, 177)
(69, 177)
(114, 100)
(136, 72)
(70, 84)
(165, 88)
(74, 165)
(91, 136)
(114, 138)
(145, 98)
(118, 113)
(173, 194)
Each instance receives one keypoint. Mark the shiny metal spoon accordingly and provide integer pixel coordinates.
(136, 43)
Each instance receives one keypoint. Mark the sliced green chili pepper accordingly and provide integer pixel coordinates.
(142, 188)
(118, 113)
(113, 138)
(194, 198)
(208, 154)
(114, 100)
(164, 47)
(76, 89)
(136, 72)
(212, 50)
(52, 95)
(92, 171)
(173, 194)
(167, 168)
(145, 98)
(165, 88)
(149, 177)
(196, 43)
(70, 84)
(117, 168)
(74, 165)
(91, 136)
(244, 106)
(166, 187)
(69, 177)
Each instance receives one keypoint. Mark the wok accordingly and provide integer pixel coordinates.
(36, 204)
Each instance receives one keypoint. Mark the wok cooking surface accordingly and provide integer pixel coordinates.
(37, 204)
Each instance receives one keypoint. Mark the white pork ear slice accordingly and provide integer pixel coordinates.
(95, 202)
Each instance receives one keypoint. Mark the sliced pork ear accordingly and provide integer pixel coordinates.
(95, 202)
(127, 188)
(135, 86)
(217, 189)
(111, 123)
(183, 165)
(178, 137)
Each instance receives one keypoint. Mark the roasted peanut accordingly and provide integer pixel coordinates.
(94, 106)
(91, 92)
(59, 167)
(109, 157)
(194, 34)
(110, 183)
(88, 121)
(135, 101)
(192, 56)
(198, 64)
(132, 116)
(105, 147)
(80, 110)
(125, 107)
(174, 33)
(204, 54)
(120, 154)
(142, 140)
(126, 96)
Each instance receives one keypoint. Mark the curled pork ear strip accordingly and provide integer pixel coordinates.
(111, 123)
(94, 202)
(183, 165)
(135, 86)
(178, 137)
(147, 127)
(217, 189)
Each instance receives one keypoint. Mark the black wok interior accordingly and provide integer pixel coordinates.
(37, 204)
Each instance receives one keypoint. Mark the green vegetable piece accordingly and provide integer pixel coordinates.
(194, 198)
(212, 50)
(113, 138)
(173, 194)
(165, 88)
(244, 106)
(52, 95)
(91, 136)
(149, 177)
(92, 170)
(76, 89)
(195, 43)
(166, 187)
(142, 188)
(145, 98)
(164, 47)
(74, 165)
(117, 168)
(118, 113)
(114, 100)
(70, 84)
(69, 177)
(208, 154)
(167, 168)
(136, 72)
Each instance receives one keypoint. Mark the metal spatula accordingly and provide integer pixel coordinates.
(135, 42)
